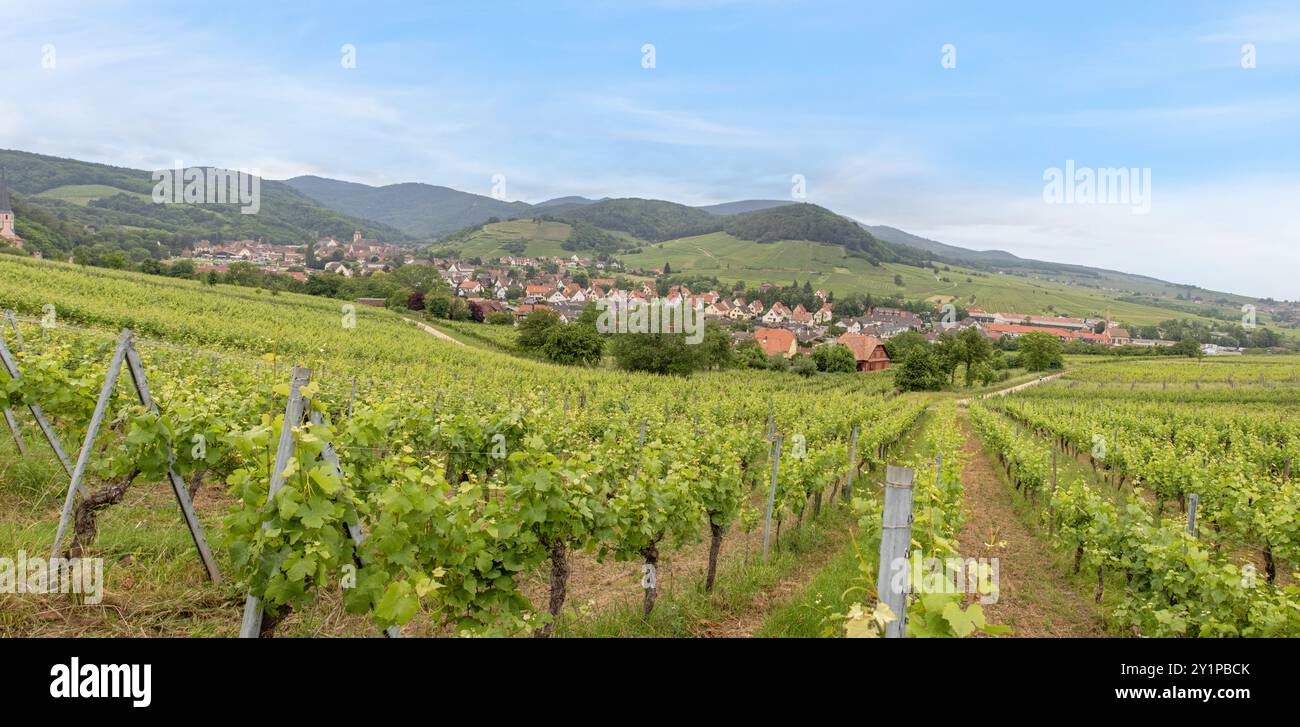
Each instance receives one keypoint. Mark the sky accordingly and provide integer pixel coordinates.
(942, 119)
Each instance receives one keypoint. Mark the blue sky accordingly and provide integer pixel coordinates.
(744, 94)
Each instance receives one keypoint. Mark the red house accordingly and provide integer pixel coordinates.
(868, 350)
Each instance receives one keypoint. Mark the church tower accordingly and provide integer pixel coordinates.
(7, 216)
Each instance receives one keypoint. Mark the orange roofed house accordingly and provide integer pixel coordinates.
(868, 350)
(776, 341)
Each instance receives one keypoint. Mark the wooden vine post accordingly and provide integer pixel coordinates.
(895, 548)
(125, 353)
(353, 527)
(8, 413)
(853, 464)
(771, 496)
(252, 625)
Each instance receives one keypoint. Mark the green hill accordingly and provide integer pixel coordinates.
(744, 205)
(647, 219)
(816, 224)
(62, 204)
(833, 267)
(534, 238)
(419, 210)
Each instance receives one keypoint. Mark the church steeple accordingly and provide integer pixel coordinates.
(7, 214)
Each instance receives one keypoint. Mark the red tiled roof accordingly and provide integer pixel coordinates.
(774, 340)
(862, 346)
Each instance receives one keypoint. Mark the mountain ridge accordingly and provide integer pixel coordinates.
(65, 203)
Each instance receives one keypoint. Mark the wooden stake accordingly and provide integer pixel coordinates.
(1192, 500)
(354, 528)
(853, 464)
(771, 497)
(251, 626)
(87, 446)
(136, 369)
(895, 548)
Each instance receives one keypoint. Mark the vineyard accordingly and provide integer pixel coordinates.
(468, 471)
(1183, 500)
(355, 476)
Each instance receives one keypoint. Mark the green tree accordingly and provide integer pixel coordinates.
(438, 306)
(1188, 347)
(948, 348)
(459, 310)
(921, 370)
(715, 349)
(750, 355)
(899, 346)
(836, 358)
(533, 329)
(656, 353)
(573, 344)
(972, 350)
(1039, 351)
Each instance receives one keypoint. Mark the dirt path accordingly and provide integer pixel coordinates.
(1012, 389)
(434, 332)
(1037, 595)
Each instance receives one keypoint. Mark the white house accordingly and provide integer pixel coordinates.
(777, 313)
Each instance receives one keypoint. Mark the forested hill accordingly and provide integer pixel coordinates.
(816, 224)
(420, 210)
(647, 219)
(62, 204)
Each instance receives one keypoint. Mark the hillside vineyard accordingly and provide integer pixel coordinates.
(356, 475)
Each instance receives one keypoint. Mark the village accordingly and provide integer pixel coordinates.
(520, 285)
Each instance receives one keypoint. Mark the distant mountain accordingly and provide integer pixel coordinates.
(104, 215)
(1002, 261)
(648, 219)
(572, 200)
(742, 206)
(816, 224)
(62, 204)
(899, 237)
(419, 210)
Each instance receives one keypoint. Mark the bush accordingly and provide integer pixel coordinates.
(656, 353)
(437, 306)
(750, 355)
(836, 358)
(804, 366)
(501, 318)
(573, 344)
(533, 330)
